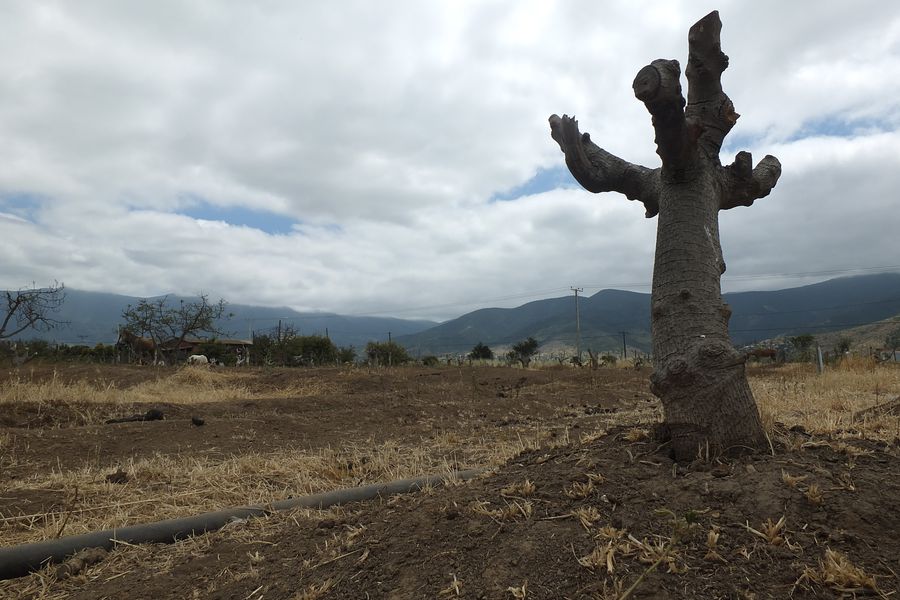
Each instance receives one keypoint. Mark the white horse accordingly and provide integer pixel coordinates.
(197, 359)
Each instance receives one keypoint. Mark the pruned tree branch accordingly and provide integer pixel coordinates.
(658, 86)
(706, 61)
(742, 184)
(708, 106)
(599, 171)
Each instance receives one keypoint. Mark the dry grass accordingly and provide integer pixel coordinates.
(839, 573)
(161, 487)
(168, 486)
(522, 489)
(771, 531)
(188, 385)
(160, 560)
(83, 402)
(826, 404)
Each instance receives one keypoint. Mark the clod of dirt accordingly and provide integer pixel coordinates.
(80, 562)
(154, 414)
(197, 421)
(119, 476)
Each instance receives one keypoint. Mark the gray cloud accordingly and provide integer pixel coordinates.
(384, 130)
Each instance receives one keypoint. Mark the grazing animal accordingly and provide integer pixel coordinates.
(197, 359)
(19, 360)
(761, 353)
(144, 349)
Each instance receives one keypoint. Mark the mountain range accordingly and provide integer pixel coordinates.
(607, 315)
(608, 319)
(94, 317)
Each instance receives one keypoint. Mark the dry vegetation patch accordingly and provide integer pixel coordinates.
(834, 402)
(577, 507)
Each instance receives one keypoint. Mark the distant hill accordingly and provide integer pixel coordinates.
(863, 339)
(824, 307)
(827, 306)
(552, 322)
(95, 316)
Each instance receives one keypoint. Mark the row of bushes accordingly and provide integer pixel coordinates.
(288, 350)
(43, 349)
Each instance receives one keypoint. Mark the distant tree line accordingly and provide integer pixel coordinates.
(289, 348)
(168, 325)
(20, 352)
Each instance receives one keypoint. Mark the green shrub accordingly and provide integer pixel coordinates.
(481, 352)
(386, 353)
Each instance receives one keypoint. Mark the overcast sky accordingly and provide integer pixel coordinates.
(394, 158)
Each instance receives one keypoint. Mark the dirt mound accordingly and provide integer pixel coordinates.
(610, 517)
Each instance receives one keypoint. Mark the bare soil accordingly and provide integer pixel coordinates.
(587, 516)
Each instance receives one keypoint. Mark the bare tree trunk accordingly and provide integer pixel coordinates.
(698, 376)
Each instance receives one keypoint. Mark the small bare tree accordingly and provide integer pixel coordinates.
(699, 376)
(168, 325)
(32, 308)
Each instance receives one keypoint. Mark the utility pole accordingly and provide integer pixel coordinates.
(624, 347)
(577, 324)
(390, 353)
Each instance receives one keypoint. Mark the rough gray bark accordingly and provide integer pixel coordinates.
(698, 375)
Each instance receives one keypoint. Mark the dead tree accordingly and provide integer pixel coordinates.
(31, 308)
(698, 375)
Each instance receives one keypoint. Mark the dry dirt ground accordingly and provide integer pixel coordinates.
(581, 501)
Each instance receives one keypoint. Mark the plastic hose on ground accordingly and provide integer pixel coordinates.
(17, 561)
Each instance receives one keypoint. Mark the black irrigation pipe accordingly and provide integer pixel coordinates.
(17, 561)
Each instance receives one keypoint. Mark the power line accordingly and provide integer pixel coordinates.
(828, 326)
(740, 315)
(537, 294)
(809, 310)
(816, 273)
(751, 276)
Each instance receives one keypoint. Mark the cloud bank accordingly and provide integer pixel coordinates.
(394, 158)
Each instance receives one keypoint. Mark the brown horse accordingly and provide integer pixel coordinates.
(140, 347)
(761, 353)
